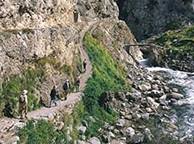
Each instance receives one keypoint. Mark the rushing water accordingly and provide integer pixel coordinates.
(185, 114)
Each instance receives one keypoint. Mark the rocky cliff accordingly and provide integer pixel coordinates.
(149, 17)
(40, 43)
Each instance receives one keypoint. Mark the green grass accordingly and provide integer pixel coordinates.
(41, 132)
(178, 42)
(108, 75)
(12, 88)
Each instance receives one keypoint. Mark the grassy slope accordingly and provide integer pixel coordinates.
(179, 42)
(108, 75)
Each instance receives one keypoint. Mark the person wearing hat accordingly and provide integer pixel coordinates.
(23, 105)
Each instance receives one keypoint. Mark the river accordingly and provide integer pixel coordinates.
(184, 113)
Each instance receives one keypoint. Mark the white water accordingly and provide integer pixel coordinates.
(185, 80)
(180, 78)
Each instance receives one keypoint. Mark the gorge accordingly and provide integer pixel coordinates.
(132, 91)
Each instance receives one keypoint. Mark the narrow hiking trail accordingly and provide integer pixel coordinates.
(9, 126)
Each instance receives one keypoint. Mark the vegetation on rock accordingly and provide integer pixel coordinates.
(108, 75)
(45, 132)
(179, 42)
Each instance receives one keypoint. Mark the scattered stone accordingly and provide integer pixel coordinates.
(138, 138)
(116, 131)
(123, 138)
(152, 102)
(136, 116)
(111, 135)
(149, 110)
(148, 134)
(120, 123)
(176, 96)
(94, 140)
(83, 137)
(145, 87)
(82, 129)
(130, 132)
(145, 116)
(128, 117)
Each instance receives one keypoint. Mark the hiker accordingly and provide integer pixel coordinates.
(76, 15)
(66, 88)
(77, 83)
(53, 96)
(84, 65)
(8, 110)
(23, 105)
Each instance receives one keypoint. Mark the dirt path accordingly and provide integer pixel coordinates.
(8, 126)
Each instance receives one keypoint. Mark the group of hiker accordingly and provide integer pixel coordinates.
(54, 94)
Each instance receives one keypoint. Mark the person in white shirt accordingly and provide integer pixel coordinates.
(23, 105)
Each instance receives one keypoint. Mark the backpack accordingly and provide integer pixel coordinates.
(21, 99)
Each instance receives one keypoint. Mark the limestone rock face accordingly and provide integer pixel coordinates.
(46, 34)
(149, 17)
(115, 35)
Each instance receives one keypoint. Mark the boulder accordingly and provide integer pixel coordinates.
(176, 96)
(128, 117)
(149, 110)
(145, 116)
(130, 132)
(152, 102)
(120, 123)
(145, 87)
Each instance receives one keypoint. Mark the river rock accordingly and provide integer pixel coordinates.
(152, 102)
(149, 110)
(120, 123)
(130, 132)
(148, 134)
(128, 117)
(111, 135)
(145, 87)
(176, 96)
(145, 116)
(138, 138)
(136, 116)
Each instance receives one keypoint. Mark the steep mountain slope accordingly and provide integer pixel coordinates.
(40, 46)
(149, 17)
